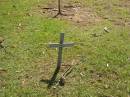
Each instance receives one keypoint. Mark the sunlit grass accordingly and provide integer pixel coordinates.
(102, 68)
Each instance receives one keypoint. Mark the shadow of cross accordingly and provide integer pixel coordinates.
(59, 45)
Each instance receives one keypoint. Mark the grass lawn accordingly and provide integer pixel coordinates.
(101, 59)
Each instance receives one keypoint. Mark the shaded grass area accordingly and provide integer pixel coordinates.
(102, 69)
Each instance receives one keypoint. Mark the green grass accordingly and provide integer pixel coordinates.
(27, 59)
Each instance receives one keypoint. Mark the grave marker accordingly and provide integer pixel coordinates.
(60, 47)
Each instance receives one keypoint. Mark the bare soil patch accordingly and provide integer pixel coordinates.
(72, 12)
(122, 21)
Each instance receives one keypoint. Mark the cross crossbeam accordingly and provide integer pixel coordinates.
(57, 45)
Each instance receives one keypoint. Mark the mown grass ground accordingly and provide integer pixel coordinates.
(102, 60)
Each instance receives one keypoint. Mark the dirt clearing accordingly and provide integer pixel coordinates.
(75, 13)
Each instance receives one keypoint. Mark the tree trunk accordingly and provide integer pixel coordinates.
(59, 7)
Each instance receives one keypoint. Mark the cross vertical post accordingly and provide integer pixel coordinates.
(60, 50)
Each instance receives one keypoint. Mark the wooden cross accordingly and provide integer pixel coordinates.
(59, 45)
